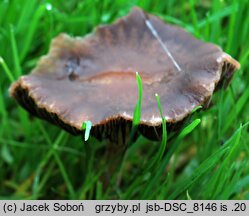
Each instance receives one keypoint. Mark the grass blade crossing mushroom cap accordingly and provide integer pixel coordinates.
(93, 78)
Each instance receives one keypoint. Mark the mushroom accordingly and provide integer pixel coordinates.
(93, 78)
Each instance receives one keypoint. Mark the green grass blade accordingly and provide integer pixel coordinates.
(27, 13)
(189, 128)
(86, 127)
(137, 110)
(154, 180)
(31, 31)
(206, 166)
(240, 104)
(196, 108)
(15, 53)
(58, 161)
(7, 70)
(164, 130)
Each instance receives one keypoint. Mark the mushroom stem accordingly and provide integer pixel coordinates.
(114, 154)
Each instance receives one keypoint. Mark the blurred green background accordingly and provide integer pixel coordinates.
(39, 161)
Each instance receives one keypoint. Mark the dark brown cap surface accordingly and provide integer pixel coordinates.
(93, 78)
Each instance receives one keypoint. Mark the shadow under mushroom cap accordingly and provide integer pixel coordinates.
(93, 78)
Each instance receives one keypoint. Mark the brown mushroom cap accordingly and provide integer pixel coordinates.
(93, 78)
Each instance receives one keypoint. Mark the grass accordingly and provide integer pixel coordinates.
(137, 110)
(207, 160)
